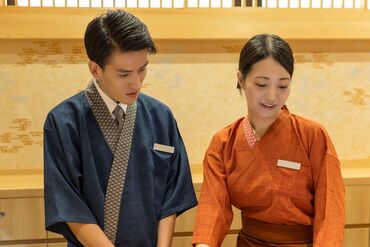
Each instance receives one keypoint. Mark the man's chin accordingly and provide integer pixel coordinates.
(128, 101)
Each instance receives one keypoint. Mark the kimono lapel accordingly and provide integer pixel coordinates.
(121, 152)
(102, 116)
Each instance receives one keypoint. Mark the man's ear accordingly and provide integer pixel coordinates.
(95, 70)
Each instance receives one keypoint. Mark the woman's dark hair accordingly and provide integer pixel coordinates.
(116, 30)
(262, 46)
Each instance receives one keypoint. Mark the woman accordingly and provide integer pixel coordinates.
(279, 169)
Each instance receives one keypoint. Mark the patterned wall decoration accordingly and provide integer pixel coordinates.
(200, 88)
(19, 135)
(51, 53)
(357, 96)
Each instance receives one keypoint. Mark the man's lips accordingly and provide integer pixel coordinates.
(132, 94)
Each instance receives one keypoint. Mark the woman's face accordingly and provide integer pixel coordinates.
(266, 88)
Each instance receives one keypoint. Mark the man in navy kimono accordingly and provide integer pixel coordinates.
(116, 169)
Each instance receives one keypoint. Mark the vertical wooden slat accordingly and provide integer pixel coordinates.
(288, 3)
(299, 4)
(310, 6)
(332, 4)
(254, 4)
(342, 4)
(320, 4)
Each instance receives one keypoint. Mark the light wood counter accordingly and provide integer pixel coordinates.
(30, 183)
(21, 184)
(356, 172)
(21, 202)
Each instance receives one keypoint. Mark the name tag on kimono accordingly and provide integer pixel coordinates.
(289, 164)
(163, 148)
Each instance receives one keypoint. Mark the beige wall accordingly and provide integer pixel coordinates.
(332, 88)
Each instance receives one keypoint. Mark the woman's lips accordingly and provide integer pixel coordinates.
(268, 106)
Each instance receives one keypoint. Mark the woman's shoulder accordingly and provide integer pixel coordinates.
(312, 133)
(307, 124)
(224, 134)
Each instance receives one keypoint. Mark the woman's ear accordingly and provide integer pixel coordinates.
(95, 70)
(241, 79)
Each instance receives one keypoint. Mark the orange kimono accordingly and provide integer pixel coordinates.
(250, 179)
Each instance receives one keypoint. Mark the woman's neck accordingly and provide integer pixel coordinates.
(261, 125)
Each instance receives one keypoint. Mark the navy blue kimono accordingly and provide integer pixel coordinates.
(77, 163)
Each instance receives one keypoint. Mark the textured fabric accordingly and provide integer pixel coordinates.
(118, 174)
(78, 158)
(101, 113)
(256, 233)
(249, 178)
(249, 133)
(121, 155)
(109, 102)
(119, 115)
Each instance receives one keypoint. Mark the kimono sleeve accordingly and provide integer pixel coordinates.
(179, 195)
(63, 199)
(329, 193)
(214, 213)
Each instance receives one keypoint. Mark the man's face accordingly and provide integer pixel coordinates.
(122, 78)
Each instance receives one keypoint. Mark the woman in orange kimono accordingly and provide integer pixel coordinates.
(281, 170)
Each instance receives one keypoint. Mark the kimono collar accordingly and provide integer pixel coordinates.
(283, 115)
(111, 104)
(251, 136)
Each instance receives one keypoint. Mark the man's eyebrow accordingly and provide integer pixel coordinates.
(127, 71)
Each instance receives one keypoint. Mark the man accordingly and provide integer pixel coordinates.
(116, 169)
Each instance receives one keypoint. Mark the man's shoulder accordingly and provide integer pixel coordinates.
(70, 106)
(153, 104)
